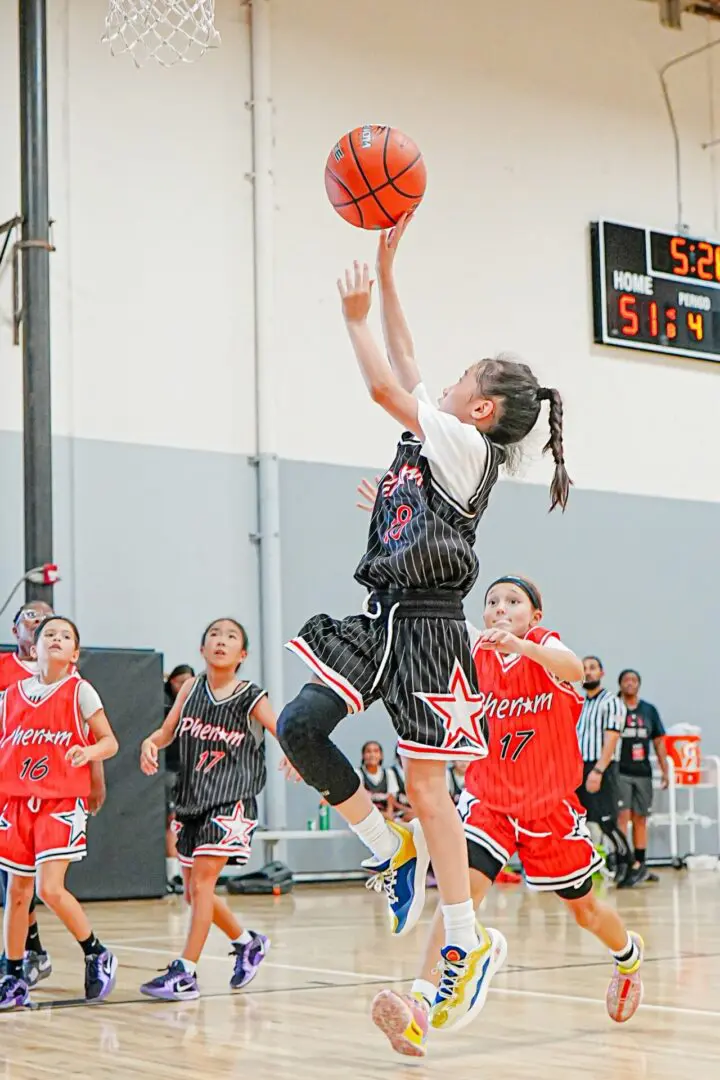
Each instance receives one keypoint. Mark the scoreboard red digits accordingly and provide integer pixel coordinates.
(656, 291)
(629, 315)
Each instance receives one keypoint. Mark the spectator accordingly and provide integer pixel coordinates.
(643, 725)
(404, 811)
(599, 728)
(177, 677)
(382, 784)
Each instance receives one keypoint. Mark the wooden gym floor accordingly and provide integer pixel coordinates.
(306, 1014)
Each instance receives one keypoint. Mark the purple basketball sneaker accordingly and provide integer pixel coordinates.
(248, 959)
(175, 984)
(13, 993)
(100, 973)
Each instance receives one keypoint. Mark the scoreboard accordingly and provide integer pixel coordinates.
(659, 292)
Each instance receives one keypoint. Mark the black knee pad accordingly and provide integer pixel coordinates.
(303, 730)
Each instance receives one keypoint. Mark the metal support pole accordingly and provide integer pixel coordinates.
(35, 246)
(266, 384)
(681, 226)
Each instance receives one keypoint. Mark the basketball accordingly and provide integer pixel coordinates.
(374, 175)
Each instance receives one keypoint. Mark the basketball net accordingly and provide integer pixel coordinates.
(167, 31)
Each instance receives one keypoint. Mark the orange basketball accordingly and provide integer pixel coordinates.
(374, 175)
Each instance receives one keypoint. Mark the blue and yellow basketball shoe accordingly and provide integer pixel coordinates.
(402, 878)
(465, 980)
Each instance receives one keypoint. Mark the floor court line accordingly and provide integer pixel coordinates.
(645, 1007)
(268, 963)
(170, 941)
(541, 995)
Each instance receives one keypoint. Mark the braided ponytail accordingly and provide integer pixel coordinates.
(519, 396)
(561, 482)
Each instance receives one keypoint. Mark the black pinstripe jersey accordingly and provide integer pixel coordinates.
(420, 537)
(221, 749)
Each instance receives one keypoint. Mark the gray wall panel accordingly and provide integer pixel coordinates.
(154, 541)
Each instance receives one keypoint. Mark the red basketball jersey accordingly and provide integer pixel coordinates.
(534, 760)
(12, 670)
(35, 737)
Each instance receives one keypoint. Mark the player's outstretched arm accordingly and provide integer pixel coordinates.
(265, 715)
(562, 663)
(367, 493)
(104, 747)
(164, 735)
(355, 291)
(396, 332)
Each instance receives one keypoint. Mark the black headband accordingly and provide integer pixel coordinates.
(527, 587)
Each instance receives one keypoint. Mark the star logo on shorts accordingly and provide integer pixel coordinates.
(76, 820)
(237, 828)
(579, 830)
(461, 711)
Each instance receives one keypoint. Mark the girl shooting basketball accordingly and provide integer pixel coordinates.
(410, 646)
(218, 721)
(46, 722)
(521, 799)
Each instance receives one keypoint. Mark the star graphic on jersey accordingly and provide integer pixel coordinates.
(76, 820)
(238, 829)
(579, 830)
(461, 711)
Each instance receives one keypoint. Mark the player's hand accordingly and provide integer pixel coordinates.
(593, 782)
(79, 755)
(96, 799)
(387, 247)
(367, 493)
(289, 771)
(664, 782)
(502, 640)
(356, 293)
(149, 757)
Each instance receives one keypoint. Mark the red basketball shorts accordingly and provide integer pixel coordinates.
(33, 831)
(556, 851)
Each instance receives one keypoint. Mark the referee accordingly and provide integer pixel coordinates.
(601, 722)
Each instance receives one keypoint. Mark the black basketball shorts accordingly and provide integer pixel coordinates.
(224, 830)
(412, 651)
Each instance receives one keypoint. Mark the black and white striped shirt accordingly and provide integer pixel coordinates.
(604, 712)
(428, 506)
(221, 749)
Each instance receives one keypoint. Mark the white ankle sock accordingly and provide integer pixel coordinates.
(244, 939)
(459, 920)
(377, 835)
(629, 954)
(189, 965)
(424, 989)
(172, 869)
